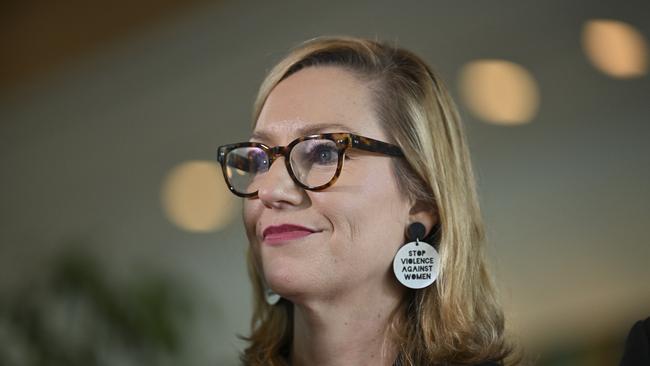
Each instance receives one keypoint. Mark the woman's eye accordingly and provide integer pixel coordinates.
(323, 154)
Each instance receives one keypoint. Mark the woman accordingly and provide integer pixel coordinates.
(369, 155)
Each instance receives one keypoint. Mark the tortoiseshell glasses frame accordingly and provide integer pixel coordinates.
(342, 141)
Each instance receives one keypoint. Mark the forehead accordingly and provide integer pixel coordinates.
(314, 100)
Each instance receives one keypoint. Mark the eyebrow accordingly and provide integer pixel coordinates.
(312, 129)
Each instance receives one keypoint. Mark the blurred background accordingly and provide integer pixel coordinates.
(119, 244)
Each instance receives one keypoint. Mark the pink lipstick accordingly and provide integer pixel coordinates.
(275, 235)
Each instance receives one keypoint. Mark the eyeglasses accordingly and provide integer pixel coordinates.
(314, 162)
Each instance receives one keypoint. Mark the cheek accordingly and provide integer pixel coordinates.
(250, 214)
(369, 223)
(345, 225)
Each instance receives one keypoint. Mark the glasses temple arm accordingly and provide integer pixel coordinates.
(372, 145)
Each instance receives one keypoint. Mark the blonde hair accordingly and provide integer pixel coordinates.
(457, 319)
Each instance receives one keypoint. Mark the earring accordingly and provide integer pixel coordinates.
(270, 296)
(416, 263)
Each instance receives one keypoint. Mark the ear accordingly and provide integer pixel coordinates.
(424, 214)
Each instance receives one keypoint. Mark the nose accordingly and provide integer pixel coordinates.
(276, 188)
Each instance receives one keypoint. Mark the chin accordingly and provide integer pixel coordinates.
(289, 279)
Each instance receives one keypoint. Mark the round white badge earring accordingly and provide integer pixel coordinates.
(417, 263)
(270, 296)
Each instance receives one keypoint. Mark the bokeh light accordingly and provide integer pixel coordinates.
(499, 91)
(195, 197)
(615, 48)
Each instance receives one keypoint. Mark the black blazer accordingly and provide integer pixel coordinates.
(637, 345)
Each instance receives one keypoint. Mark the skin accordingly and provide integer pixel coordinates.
(340, 278)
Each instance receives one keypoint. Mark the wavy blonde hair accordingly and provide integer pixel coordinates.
(458, 319)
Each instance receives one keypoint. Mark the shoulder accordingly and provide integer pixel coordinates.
(637, 345)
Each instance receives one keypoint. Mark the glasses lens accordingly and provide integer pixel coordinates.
(243, 166)
(314, 162)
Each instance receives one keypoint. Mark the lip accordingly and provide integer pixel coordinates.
(278, 234)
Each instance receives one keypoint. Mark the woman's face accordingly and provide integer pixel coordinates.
(356, 225)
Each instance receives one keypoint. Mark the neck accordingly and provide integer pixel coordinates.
(346, 330)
